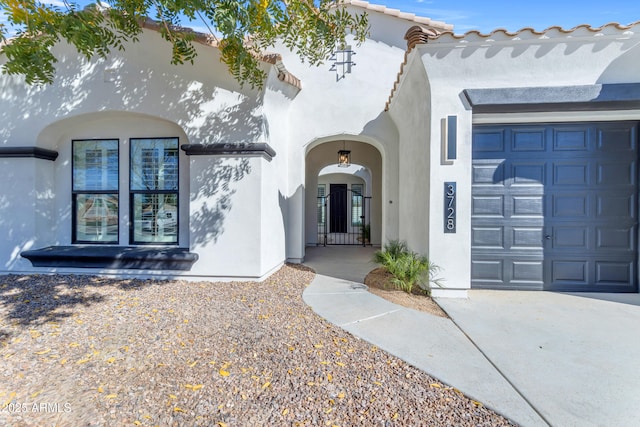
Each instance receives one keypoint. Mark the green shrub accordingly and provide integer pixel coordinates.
(391, 251)
(365, 234)
(407, 267)
(365, 230)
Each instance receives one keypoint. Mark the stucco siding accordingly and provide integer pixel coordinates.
(553, 60)
(413, 120)
(229, 207)
(225, 211)
(203, 99)
(26, 213)
(275, 190)
(451, 65)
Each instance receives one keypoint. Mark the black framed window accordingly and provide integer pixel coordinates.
(322, 190)
(95, 191)
(154, 191)
(356, 204)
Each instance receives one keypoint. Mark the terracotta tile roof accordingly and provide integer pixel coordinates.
(530, 33)
(417, 35)
(439, 25)
(276, 60)
(397, 82)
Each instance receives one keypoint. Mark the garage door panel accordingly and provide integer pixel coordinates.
(615, 139)
(489, 141)
(528, 273)
(616, 238)
(488, 206)
(611, 206)
(489, 272)
(555, 207)
(574, 173)
(570, 237)
(528, 173)
(570, 206)
(569, 271)
(616, 174)
(527, 238)
(528, 140)
(570, 140)
(527, 206)
(614, 272)
(604, 275)
(491, 174)
(487, 237)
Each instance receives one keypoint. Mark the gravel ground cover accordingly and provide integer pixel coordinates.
(88, 351)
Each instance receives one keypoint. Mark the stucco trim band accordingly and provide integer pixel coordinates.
(620, 96)
(221, 149)
(114, 257)
(37, 152)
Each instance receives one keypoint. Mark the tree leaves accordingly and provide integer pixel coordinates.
(38, 27)
(245, 29)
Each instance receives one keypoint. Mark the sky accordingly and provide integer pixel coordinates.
(486, 16)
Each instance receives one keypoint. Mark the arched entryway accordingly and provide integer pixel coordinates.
(343, 205)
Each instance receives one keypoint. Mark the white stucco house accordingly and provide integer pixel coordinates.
(509, 159)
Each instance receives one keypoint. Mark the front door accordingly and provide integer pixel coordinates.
(338, 208)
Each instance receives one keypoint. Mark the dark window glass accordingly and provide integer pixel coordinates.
(356, 204)
(95, 191)
(154, 190)
(322, 189)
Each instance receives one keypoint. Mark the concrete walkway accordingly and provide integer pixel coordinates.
(538, 358)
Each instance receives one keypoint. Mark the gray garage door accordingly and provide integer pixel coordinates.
(554, 207)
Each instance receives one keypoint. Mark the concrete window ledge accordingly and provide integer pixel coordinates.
(220, 149)
(113, 257)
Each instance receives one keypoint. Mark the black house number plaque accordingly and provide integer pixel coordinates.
(449, 207)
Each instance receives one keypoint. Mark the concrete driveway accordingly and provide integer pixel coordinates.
(539, 358)
(574, 357)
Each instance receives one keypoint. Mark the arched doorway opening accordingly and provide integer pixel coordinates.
(343, 204)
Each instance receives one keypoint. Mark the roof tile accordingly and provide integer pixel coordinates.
(439, 25)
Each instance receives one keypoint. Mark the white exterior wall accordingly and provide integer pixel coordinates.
(413, 120)
(27, 220)
(275, 191)
(351, 105)
(350, 108)
(202, 99)
(138, 93)
(554, 59)
(225, 216)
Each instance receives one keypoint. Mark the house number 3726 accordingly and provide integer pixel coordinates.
(449, 207)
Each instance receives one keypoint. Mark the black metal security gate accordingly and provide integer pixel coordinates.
(344, 217)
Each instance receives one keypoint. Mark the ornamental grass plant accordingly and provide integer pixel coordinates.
(409, 269)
